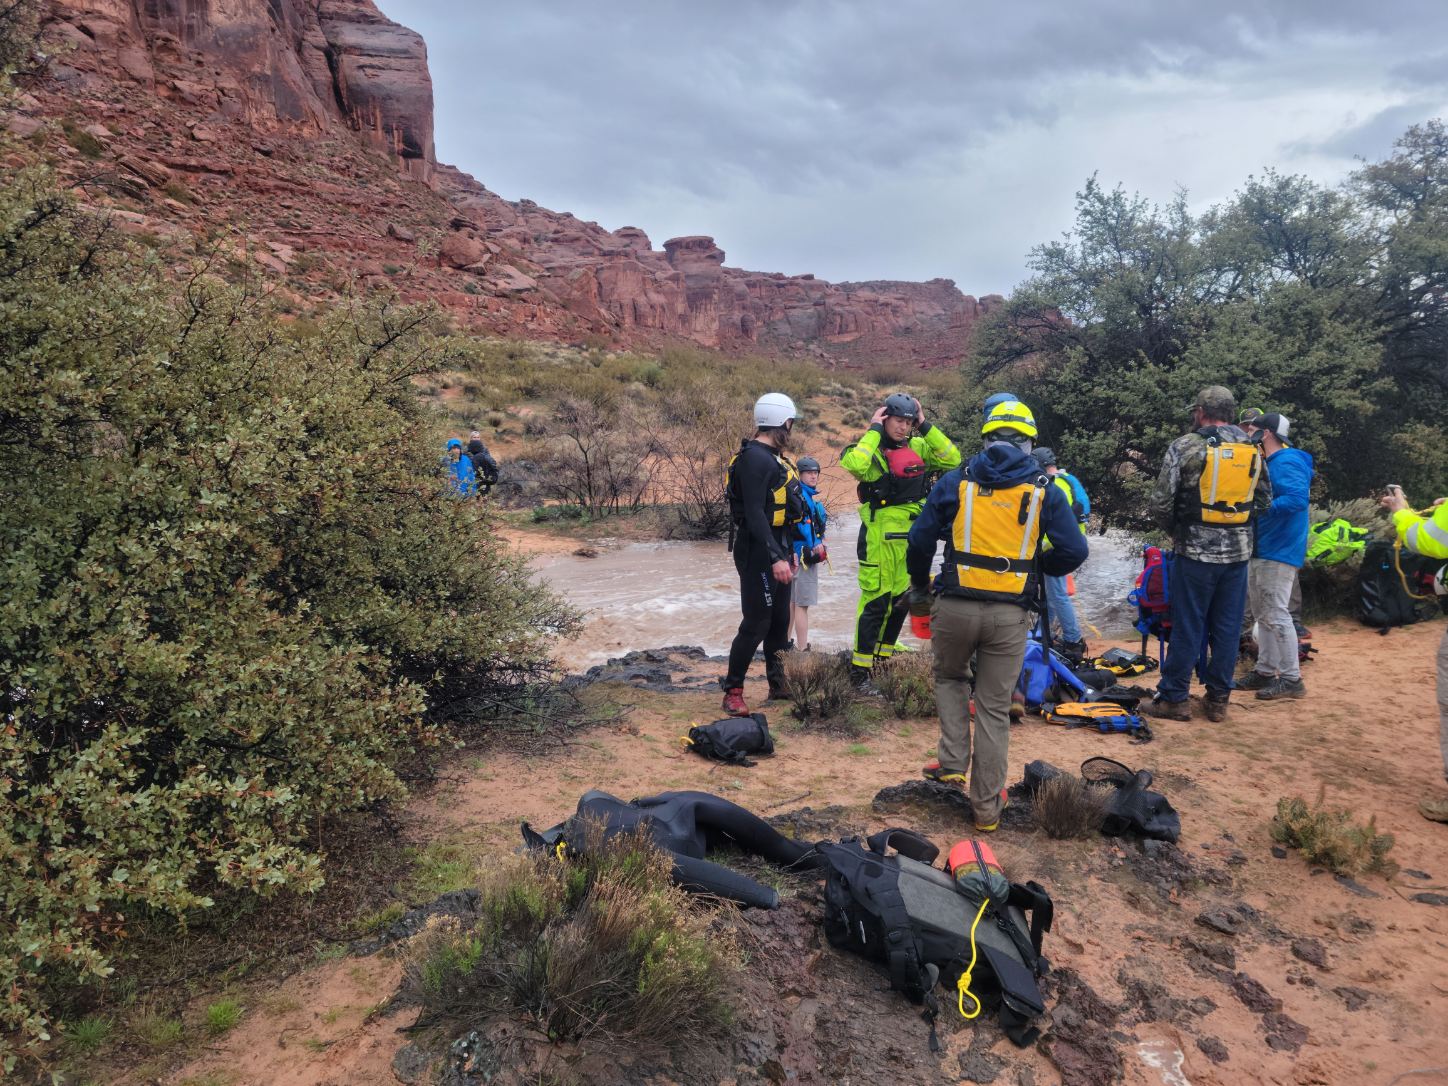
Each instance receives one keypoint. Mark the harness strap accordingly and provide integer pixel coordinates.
(996, 563)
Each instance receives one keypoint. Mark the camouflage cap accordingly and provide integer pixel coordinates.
(1216, 402)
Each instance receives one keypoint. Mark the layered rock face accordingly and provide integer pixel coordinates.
(302, 64)
(254, 108)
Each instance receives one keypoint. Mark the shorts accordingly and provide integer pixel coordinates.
(807, 586)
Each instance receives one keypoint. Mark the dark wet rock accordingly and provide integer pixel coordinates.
(1216, 953)
(808, 824)
(1170, 871)
(1152, 1002)
(411, 1064)
(1430, 899)
(649, 669)
(1284, 1034)
(1025, 1077)
(462, 904)
(1256, 997)
(1077, 1044)
(1310, 951)
(928, 797)
(1352, 998)
(1279, 852)
(472, 1060)
(1213, 1049)
(981, 1065)
(1412, 873)
(1223, 920)
(1355, 887)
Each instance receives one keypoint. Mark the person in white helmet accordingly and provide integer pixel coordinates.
(765, 506)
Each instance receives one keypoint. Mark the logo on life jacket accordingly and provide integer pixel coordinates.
(996, 535)
(1228, 482)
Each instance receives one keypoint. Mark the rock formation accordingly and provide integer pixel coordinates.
(251, 111)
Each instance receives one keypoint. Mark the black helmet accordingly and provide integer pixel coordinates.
(1044, 456)
(808, 463)
(900, 405)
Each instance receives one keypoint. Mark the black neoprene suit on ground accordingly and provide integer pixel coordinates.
(763, 603)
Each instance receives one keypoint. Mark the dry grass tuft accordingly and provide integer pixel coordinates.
(1328, 836)
(1066, 806)
(819, 685)
(907, 681)
(603, 947)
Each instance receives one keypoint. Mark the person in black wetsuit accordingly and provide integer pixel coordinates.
(484, 466)
(765, 504)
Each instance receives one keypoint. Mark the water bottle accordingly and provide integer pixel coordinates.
(977, 875)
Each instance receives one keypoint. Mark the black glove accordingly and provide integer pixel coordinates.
(920, 601)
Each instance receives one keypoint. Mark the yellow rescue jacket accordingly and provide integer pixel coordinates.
(995, 537)
(1228, 483)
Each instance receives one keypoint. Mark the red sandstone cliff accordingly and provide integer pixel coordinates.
(249, 112)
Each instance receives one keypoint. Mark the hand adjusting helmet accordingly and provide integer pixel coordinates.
(772, 410)
(899, 405)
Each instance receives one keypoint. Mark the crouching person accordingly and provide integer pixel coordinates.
(992, 514)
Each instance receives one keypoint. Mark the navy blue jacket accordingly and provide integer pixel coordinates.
(998, 465)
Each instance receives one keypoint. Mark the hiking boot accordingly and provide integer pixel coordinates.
(1167, 710)
(860, 680)
(777, 692)
(993, 826)
(1281, 687)
(1075, 651)
(1434, 810)
(734, 701)
(1255, 680)
(937, 772)
(1018, 705)
(1217, 706)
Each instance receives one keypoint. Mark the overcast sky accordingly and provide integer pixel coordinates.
(920, 138)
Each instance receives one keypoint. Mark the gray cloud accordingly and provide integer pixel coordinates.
(863, 140)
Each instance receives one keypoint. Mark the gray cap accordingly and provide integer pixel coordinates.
(1216, 402)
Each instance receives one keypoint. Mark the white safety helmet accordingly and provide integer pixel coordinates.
(773, 409)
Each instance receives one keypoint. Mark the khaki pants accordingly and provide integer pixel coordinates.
(995, 634)
(1442, 699)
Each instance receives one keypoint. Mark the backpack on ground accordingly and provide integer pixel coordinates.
(1330, 542)
(899, 910)
(1047, 676)
(1393, 588)
(732, 739)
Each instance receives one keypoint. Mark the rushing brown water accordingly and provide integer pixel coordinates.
(644, 595)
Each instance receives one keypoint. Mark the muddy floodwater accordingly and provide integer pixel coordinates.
(643, 595)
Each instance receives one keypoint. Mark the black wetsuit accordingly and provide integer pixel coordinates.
(483, 463)
(758, 545)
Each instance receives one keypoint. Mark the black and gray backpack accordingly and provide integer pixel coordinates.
(898, 909)
(732, 739)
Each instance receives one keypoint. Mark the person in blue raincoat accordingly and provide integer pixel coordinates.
(462, 479)
(809, 552)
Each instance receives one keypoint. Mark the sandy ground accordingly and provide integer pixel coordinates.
(1367, 732)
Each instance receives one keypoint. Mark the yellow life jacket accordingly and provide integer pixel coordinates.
(996, 535)
(786, 502)
(1228, 482)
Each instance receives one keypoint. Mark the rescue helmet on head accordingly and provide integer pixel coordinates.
(1009, 415)
(807, 463)
(772, 410)
(899, 405)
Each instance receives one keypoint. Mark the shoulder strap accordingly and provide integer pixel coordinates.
(906, 842)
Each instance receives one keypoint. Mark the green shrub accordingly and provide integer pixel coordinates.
(1329, 836)
(82, 140)
(229, 580)
(907, 681)
(602, 947)
(87, 1034)
(223, 1016)
(156, 1030)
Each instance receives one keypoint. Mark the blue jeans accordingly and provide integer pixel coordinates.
(1207, 599)
(1063, 611)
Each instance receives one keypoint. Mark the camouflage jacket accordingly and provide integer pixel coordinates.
(1176, 489)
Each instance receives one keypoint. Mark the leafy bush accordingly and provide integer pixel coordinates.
(1066, 806)
(229, 580)
(818, 683)
(907, 680)
(602, 947)
(1330, 837)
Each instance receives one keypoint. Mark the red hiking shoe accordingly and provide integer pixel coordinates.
(734, 701)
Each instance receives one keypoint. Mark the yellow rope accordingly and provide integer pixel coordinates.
(1398, 565)
(962, 986)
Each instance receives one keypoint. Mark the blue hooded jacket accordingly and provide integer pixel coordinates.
(1282, 529)
(461, 477)
(808, 538)
(1000, 464)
